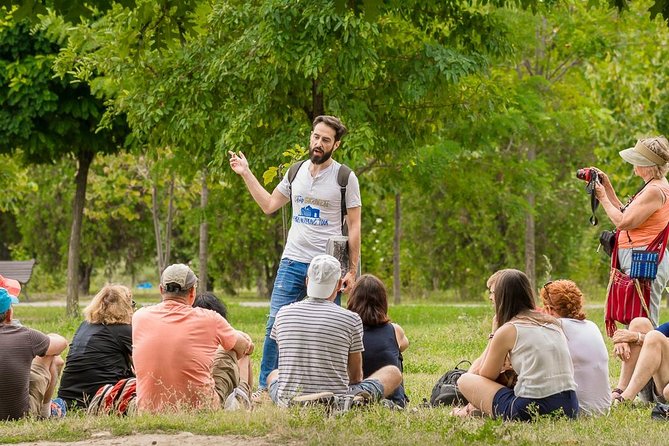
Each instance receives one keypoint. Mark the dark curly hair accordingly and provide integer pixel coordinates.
(564, 298)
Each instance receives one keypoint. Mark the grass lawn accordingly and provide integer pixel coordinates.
(440, 335)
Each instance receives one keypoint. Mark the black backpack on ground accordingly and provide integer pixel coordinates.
(445, 391)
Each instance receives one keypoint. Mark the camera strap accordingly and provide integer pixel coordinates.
(594, 204)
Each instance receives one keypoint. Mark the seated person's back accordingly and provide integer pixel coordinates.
(563, 299)
(174, 346)
(315, 337)
(101, 349)
(383, 340)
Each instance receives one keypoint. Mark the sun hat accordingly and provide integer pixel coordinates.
(6, 300)
(323, 273)
(641, 155)
(178, 277)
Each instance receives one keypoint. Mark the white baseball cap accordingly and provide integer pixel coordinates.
(324, 273)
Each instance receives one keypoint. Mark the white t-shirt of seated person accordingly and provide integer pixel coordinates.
(316, 203)
(591, 366)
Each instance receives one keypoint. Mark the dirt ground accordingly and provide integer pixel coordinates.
(181, 439)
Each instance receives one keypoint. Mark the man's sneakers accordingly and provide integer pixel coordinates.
(335, 404)
(260, 396)
(314, 399)
(237, 400)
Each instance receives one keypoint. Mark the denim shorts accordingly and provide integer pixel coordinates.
(508, 406)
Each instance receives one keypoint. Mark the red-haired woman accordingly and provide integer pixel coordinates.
(384, 341)
(564, 300)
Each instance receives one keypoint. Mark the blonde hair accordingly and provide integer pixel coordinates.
(659, 145)
(112, 305)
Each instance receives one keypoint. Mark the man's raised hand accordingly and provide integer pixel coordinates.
(238, 162)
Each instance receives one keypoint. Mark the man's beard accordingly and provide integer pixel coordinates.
(319, 159)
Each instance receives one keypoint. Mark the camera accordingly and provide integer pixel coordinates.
(590, 176)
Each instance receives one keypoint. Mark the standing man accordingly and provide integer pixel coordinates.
(176, 351)
(317, 216)
(30, 362)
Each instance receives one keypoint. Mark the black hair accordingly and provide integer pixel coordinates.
(209, 301)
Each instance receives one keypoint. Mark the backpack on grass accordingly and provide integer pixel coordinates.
(445, 391)
(115, 399)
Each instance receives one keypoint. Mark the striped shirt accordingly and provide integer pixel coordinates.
(315, 337)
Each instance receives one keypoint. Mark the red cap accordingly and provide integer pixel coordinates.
(12, 286)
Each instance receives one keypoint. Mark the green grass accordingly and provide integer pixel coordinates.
(440, 335)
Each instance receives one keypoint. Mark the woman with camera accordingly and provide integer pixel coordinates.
(646, 214)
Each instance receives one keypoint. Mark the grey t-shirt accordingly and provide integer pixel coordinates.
(315, 337)
(18, 346)
(316, 209)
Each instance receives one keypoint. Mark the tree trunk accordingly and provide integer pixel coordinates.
(163, 242)
(204, 233)
(397, 287)
(85, 271)
(155, 214)
(317, 104)
(530, 254)
(85, 159)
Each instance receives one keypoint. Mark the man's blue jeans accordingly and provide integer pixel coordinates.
(289, 286)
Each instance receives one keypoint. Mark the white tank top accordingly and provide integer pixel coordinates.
(541, 359)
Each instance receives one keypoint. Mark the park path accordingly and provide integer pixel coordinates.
(180, 439)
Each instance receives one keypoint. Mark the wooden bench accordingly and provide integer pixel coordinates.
(20, 270)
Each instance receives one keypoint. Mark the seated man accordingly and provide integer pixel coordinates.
(628, 345)
(320, 345)
(175, 349)
(29, 362)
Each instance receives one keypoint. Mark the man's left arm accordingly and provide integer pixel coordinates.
(354, 367)
(353, 221)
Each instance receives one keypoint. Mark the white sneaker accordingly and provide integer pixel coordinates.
(237, 400)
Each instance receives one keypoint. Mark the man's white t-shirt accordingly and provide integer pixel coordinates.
(316, 203)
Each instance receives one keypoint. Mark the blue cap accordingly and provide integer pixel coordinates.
(6, 300)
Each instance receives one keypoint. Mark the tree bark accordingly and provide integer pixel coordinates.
(85, 271)
(155, 214)
(530, 253)
(85, 158)
(204, 233)
(397, 287)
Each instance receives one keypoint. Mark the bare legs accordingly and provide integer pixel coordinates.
(652, 362)
(629, 363)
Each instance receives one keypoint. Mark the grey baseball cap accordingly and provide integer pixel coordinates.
(178, 274)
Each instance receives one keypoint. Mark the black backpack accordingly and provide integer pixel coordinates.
(445, 391)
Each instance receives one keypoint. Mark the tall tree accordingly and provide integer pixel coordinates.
(48, 117)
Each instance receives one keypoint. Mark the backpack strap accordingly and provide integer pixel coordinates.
(342, 180)
(292, 173)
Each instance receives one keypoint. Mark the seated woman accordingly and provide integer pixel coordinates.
(627, 347)
(235, 395)
(564, 300)
(383, 340)
(538, 351)
(101, 351)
